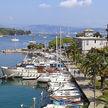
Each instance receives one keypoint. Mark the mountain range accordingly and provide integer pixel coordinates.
(51, 28)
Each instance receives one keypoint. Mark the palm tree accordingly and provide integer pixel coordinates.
(91, 66)
(103, 100)
(103, 71)
(73, 50)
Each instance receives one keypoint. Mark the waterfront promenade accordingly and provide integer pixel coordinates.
(84, 83)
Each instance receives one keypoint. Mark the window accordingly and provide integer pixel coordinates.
(101, 43)
(87, 42)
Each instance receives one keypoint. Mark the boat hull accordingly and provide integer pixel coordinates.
(18, 72)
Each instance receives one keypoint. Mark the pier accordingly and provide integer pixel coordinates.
(23, 51)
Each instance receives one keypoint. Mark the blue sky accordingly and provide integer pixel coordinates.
(76, 13)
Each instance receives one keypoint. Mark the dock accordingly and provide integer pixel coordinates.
(23, 51)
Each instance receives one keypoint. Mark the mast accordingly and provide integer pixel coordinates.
(57, 50)
(60, 47)
(45, 51)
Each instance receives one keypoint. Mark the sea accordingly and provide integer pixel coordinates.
(15, 92)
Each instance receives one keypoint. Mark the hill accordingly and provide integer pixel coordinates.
(9, 31)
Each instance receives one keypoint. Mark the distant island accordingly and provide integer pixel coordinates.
(9, 31)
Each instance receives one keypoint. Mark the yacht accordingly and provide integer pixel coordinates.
(19, 71)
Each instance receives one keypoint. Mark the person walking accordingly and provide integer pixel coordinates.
(79, 72)
(74, 72)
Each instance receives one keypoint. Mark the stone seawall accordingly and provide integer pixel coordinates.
(24, 50)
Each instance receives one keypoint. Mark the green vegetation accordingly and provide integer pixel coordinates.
(98, 84)
(97, 34)
(64, 40)
(94, 64)
(80, 35)
(35, 46)
(8, 31)
(74, 52)
(103, 100)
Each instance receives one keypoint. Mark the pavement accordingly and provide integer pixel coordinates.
(84, 83)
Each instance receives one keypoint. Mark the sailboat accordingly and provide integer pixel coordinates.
(15, 39)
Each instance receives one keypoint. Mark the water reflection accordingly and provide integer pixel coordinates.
(23, 91)
(20, 82)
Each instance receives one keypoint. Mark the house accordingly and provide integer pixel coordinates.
(88, 41)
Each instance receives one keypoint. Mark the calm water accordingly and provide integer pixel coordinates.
(15, 92)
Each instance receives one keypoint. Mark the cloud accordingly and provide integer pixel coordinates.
(44, 5)
(74, 3)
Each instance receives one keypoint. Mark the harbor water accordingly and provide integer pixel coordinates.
(15, 92)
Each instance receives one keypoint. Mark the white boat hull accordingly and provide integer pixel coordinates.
(15, 40)
(18, 72)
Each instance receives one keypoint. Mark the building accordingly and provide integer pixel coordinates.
(88, 41)
(88, 32)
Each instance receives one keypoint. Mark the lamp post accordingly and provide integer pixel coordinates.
(34, 100)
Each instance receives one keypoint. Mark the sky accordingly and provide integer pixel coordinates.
(75, 13)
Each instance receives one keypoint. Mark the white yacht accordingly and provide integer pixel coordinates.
(19, 71)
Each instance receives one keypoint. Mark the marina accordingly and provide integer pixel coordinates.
(62, 89)
(53, 54)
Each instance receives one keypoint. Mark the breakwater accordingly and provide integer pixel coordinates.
(23, 51)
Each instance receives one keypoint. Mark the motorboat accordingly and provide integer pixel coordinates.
(65, 98)
(65, 94)
(14, 39)
(61, 87)
(44, 78)
(19, 71)
(32, 77)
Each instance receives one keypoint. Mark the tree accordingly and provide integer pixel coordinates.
(64, 40)
(80, 35)
(74, 51)
(103, 71)
(103, 100)
(92, 65)
(97, 34)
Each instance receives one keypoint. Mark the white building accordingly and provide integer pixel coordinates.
(88, 41)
